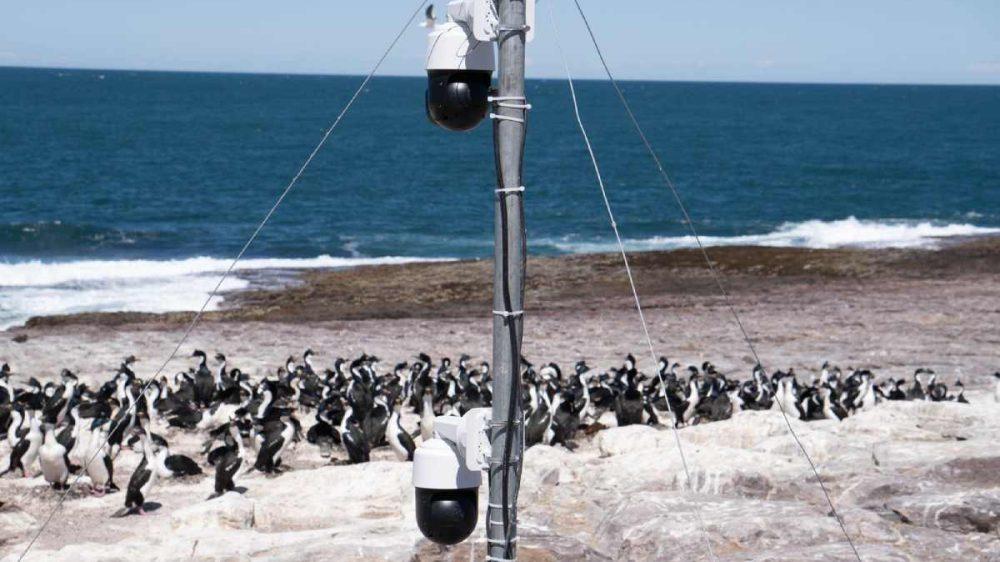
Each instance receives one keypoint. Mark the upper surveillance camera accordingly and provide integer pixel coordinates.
(459, 70)
(446, 475)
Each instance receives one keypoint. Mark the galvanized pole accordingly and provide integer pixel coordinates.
(509, 123)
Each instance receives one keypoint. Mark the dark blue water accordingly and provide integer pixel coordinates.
(113, 167)
(167, 165)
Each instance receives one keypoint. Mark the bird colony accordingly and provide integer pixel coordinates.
(74, 434)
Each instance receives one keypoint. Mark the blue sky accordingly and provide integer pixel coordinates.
(885, 41)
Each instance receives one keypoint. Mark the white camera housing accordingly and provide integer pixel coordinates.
(451, 46)
(441, 463)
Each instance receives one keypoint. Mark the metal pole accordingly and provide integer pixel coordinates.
(508, 286)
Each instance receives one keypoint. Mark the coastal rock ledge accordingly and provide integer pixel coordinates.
(912, 481)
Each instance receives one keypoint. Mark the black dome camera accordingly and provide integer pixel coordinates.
(459, 73)
(457, 100)
(447, 516)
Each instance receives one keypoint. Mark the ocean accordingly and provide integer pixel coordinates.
(131, 190)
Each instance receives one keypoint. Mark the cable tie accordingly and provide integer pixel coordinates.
(504, 28)
(506, 118)
(524, 106)
(502, 541)
(492, 99)
(508, 313)
(506, 190)
(504, 424)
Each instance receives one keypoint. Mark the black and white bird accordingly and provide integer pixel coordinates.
(97, 459)
(399, 439)
(53, 457)
(204, 381)
(629, 403)
(539, 415)
(353, 438)
(916, 390)
(229, 463)
(427, 416)
(832, 410)
(896, 391)
(25, 451)
(16, 426)
(961, 399)
(277, 437)
(145, 477)
(429, 19)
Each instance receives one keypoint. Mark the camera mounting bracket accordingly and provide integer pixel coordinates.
(485, 22)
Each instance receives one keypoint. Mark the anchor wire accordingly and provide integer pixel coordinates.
(197, 317)
(631, 281)
(716, 275)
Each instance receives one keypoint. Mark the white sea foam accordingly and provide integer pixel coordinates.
(37, 288)
(849, 232)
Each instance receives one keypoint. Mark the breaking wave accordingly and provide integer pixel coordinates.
(845, 233)
(38, 288)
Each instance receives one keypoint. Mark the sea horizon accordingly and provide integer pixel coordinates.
(555, 78)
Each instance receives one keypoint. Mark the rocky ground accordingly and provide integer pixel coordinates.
(913, 481)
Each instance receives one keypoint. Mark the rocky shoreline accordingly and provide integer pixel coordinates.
(463, 288)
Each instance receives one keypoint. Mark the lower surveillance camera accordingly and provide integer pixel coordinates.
(447, 488)
(447, 516)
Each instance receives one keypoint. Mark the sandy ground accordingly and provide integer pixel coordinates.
(886, 317)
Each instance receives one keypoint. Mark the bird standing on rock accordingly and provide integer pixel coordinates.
(399, 439)
(97, 460)
(25, 451)
(145, 477)
(353, 438)
(204, 381)
(53, 458)
(229, 463)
